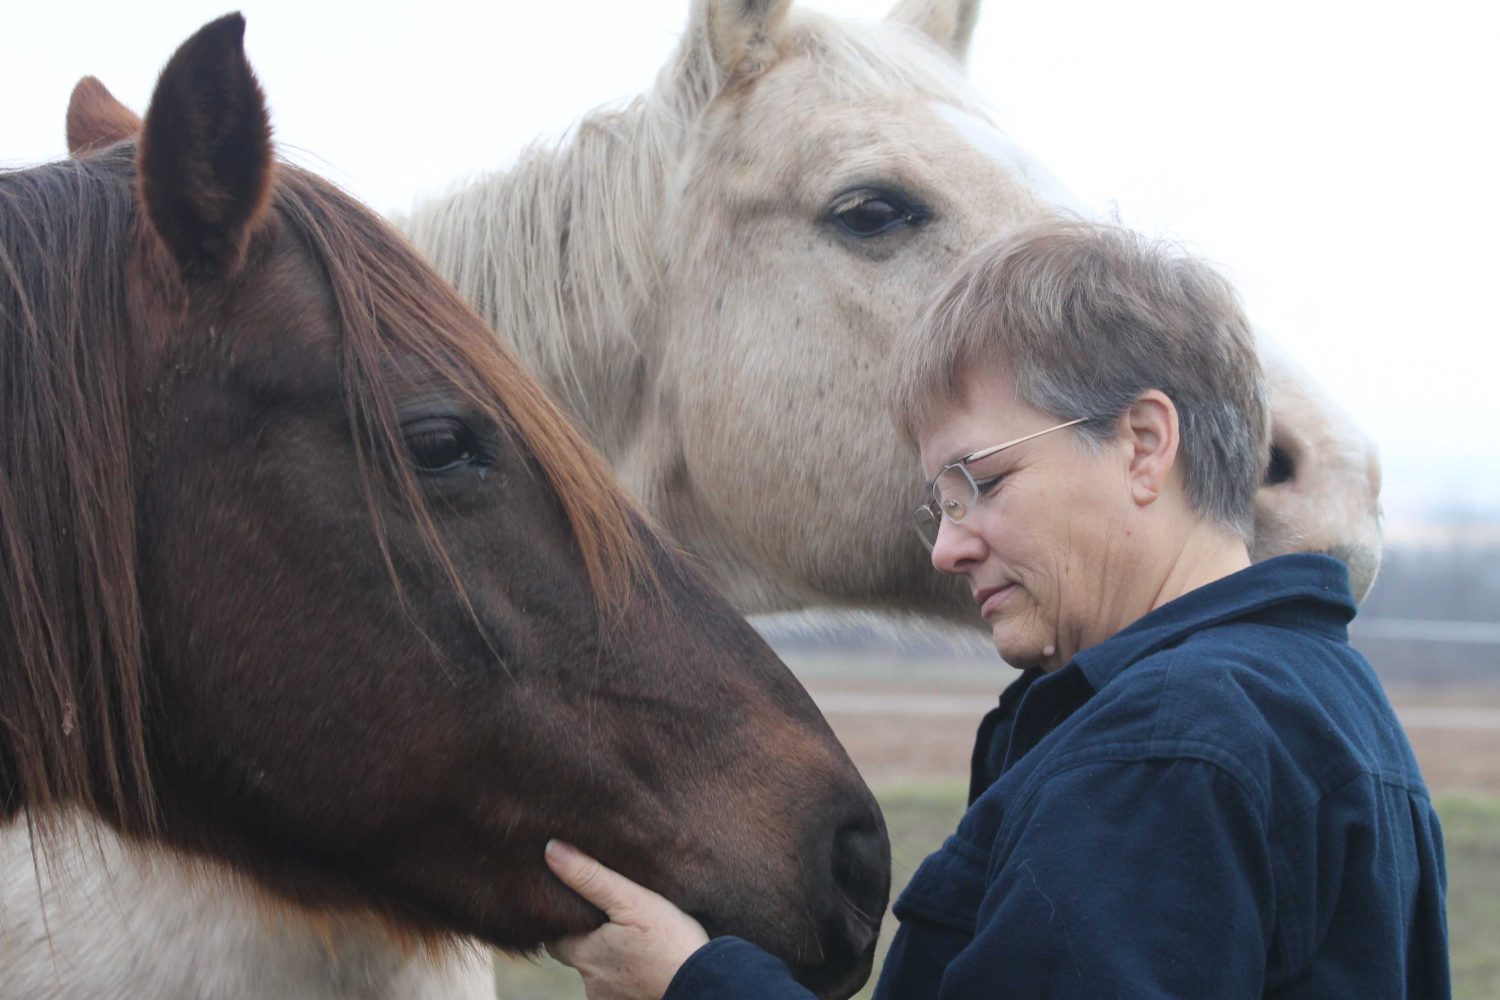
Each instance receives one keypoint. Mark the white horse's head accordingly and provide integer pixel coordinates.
(832, 173)
(709, 279)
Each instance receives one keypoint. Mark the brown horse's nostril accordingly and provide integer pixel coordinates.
(861, 876)
(1282, 469)
(849, 922)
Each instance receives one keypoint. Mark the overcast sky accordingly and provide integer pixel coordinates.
(1338, 160)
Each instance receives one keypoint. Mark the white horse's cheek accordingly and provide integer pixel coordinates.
(999, 148)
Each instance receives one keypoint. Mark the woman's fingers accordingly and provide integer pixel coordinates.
(568, 950)
(611, 892)
(636, 953)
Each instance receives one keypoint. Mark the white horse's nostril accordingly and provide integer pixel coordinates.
(1281, 468)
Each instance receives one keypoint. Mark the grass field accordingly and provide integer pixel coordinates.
(1471, 830)
(920, 814)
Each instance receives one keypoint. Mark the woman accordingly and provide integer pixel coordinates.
(1196, 788)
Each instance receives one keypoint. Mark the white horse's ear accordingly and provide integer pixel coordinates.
(950, 23)
(729, 41)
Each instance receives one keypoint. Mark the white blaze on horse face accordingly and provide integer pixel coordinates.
(992, 143)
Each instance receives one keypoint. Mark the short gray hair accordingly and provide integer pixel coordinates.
(1085, 317)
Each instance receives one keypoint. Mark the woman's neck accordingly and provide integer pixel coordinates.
(1209, 552)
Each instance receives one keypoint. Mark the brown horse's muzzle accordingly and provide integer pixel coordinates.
(860, 866)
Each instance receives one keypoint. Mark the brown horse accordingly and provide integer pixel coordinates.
(302, 575)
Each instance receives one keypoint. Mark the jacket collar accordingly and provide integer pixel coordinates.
(1305, 592)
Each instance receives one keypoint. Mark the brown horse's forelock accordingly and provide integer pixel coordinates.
(392, 307)
(72, 638)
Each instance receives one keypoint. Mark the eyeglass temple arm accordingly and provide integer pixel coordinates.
(975, 456)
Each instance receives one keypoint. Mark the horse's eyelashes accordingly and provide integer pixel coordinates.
(440, 444)
(872, 212)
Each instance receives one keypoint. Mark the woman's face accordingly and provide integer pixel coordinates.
(1048, 549)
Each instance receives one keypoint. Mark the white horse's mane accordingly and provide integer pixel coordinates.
(556, 253)
(561, 253)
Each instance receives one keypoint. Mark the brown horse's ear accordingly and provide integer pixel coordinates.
(950, 23)
(96, 119)
(205, 162)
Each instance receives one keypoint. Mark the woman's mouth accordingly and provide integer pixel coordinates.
(991, 598)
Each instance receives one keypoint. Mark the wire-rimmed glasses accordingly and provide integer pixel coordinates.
(954, 491)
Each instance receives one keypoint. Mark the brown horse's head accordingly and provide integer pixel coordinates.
(303, 574)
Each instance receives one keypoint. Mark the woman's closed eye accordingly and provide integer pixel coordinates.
(989, 472)
(989, 484)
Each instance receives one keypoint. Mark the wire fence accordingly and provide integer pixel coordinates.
(1421, 630)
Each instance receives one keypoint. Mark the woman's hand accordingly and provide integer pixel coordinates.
(636, 954)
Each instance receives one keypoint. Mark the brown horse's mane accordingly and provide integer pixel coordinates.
(73, 642)
(72, 704)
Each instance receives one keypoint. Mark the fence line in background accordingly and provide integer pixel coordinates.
(1416, 630)
(972, 706)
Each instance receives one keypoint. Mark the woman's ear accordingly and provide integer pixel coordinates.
(1149, 431)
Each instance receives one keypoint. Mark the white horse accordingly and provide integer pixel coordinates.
(708, 279)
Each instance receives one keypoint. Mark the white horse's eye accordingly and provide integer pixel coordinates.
(868, 213)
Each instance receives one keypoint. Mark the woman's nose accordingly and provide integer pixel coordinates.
(957, 547)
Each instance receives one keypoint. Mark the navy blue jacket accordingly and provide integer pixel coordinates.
(1216, 802)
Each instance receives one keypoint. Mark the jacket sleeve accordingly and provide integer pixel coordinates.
(1125, 878)
(731, 968)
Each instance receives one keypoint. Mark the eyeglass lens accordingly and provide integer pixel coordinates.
(953, 496)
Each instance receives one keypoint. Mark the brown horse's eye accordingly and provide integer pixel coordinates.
(867, 213)
(440, 444)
